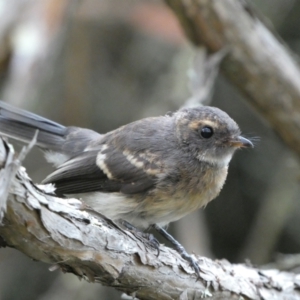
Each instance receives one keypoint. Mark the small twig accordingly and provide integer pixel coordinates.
(26, 149)
(12, 165)
(202, 76)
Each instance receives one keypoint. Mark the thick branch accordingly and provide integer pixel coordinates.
(258, 63)
(77, 240)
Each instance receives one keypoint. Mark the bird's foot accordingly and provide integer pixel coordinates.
(147, 237)
(180, 249)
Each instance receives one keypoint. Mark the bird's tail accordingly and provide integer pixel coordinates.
(22, 125)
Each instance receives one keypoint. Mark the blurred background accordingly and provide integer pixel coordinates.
(103, 63)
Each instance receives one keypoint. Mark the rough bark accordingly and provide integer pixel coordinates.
(74, 238)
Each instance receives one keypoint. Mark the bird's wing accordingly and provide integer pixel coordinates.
(108, 169)
(129, 160)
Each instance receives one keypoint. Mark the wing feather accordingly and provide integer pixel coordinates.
(82, 175)
(128, 160)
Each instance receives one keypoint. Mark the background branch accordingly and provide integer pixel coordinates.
(258, 63)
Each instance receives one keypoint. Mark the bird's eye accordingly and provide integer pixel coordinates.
(207, 132)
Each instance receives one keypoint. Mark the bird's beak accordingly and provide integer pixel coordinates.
(241, 142)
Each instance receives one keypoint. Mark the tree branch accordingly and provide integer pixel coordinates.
(258, 63)
(76, 239)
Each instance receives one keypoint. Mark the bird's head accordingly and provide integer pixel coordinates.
(210, 134)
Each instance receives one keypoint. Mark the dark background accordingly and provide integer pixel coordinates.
(102, 64)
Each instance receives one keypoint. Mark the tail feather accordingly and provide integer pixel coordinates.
(22, 125)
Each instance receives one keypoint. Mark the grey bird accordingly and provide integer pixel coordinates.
(150, 172)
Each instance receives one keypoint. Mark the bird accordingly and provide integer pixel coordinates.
(150, 172)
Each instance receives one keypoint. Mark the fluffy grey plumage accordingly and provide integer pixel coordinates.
(152, 171)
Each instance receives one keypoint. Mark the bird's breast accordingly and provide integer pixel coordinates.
(191, 191)
(196, 189)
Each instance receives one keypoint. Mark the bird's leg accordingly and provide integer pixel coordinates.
(179, 248)
(151, 240)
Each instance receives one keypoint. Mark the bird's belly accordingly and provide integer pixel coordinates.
(163, 205)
